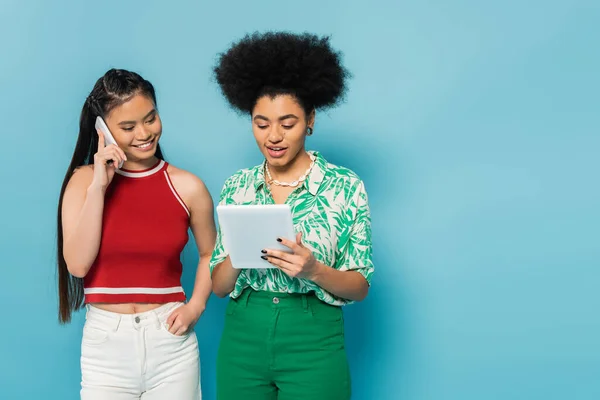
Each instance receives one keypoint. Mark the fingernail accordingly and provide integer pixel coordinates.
(263, 257)
(279, 239)
(263, 251)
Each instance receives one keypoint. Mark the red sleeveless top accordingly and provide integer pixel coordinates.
(144, 230)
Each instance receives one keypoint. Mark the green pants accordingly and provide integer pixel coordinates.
(282, 347)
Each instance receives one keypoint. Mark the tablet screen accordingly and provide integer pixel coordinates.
(247, 229)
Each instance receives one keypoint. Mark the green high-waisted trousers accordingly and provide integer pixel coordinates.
(282, 347)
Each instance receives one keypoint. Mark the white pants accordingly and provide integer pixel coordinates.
(133, 356)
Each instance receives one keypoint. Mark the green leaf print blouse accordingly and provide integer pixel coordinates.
(331, 210)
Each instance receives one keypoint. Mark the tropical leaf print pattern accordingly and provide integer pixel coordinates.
(330, 209)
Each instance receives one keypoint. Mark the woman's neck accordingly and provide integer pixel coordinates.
(139, 165)
(292, 170)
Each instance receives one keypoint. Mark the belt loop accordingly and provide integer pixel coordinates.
(118, 322)
(87, 310)
(157, 318)
(304, 303)
(247, 296)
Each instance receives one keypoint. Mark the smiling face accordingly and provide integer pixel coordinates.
(136, 127)
(279, 125)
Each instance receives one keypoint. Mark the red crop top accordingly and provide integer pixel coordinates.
(144, 229)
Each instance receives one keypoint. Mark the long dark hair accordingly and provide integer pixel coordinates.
(116, 87)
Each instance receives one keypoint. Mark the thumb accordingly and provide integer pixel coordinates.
(172, 318)
(299, 239)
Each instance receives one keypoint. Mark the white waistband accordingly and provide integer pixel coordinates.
(111, 319)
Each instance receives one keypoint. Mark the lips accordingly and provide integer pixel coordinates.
(276, 151)
(145, 146)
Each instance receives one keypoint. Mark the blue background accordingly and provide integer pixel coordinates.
(473, 123)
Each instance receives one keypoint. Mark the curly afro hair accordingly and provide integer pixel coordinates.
(274, 63)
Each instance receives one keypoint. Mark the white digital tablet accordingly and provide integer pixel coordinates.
(247, 229)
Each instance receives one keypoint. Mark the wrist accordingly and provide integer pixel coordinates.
(318, 272)
(197, 306)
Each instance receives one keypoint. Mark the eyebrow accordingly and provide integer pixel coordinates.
(133, 122)
(284, 117)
